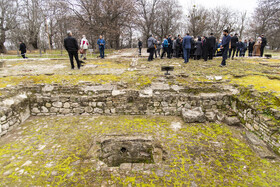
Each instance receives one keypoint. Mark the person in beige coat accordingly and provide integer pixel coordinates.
(257, 47)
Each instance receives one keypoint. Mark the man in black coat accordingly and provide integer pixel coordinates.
(170, 44)
(205, 48)
(212, 46)
(234, 43)
(251, 47)
(140, 44)
(178, 46)
(71, 45)
(264, 42)
(22, 48)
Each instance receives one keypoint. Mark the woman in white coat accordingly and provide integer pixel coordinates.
(84, 47)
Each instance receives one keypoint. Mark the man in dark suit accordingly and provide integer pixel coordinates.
(187, 44)
(71, 45)
(212, 45)
(234, 43)
(205, 48)
(225, 46)
(264, 43)
(251, 47)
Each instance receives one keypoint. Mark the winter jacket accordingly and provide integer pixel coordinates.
(225, 41)
(198, 51)
(212, 42)
(234, 41)
(165, 43)
(101, 43)
(187, 42)
(71, 44)
(22, 48)
(174, 44)
(151, 42)
(84, 44)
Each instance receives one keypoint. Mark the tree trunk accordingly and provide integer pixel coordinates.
(2, 48)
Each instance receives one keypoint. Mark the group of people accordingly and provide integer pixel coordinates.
(73, 49)
(71, 45)
(203, 47)
(240, 48)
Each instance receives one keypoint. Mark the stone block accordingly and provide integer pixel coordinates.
(195, 115)
(78, 110)
(211, 116)
(35, 110)
(44, 109)
(64, 111)
(57, 104)
(88, 109)
(66, 105)
(232, 121)
(48, 105)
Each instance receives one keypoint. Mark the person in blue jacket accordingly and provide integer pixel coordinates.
(225, 47)
(187, 44)
(101, 43)
(164, 46)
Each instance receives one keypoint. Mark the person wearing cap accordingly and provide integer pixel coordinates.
(225, 46)
(84, 47)
(71, 46)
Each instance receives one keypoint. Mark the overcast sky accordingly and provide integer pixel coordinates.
(242, 5)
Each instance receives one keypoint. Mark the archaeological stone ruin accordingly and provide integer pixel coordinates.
(172, 130)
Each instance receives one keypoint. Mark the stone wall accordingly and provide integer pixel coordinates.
(13, 112)
(264, 126)
(193, 104)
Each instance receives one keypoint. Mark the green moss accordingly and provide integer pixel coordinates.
(205, 154)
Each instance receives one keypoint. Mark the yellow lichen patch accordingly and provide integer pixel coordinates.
(260, 83)
(62, 151)
(71, 79)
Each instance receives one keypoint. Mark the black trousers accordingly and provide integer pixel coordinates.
(140, 50)
(169, 52)
(211, 53)
(177, 52)
(225, 52)
(262, 50)
(250, 52)
(23, 54)
(74, 54)
(164, 50)
(151, 56)
(233, 49)
(205, 54)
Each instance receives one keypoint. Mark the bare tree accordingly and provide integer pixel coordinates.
(198, 22)
(8, 20)
(168, 16)
(106, 17)
(266, 21)
(221, 18)
(31, 20)
(242, 22)
(147, 16)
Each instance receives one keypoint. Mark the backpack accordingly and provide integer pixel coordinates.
(165, 43)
